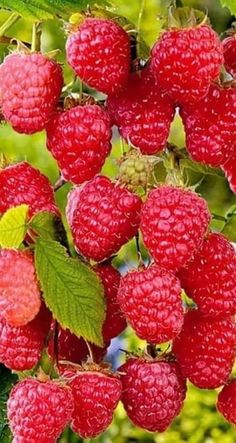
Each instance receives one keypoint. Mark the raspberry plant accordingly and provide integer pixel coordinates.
(126, 234)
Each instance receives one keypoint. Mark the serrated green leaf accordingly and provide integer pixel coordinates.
(229, 229)
(71, 290)
(13, 227)
(230, 4)
(186, 163)
(47, 9)
(43, 224)
(7, 380)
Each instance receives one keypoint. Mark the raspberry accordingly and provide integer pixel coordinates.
(174, 222)
(226, 403)
(229, 169)
(96, 396)
(185, 61)
(38, 412)
(74, 349)
(229, 47)
(151, 300)
(22, 184)
(103, 216)
(99, 53)
(136, 170)
(21, 347)
(19, 291)
(210, 278)
(30, 86)
(206, 349)
(80, 140)
(114, 322)
(153, 392)
(210, 126)
(142, 113)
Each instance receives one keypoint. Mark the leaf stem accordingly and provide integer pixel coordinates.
(36, 37)
(14, 17)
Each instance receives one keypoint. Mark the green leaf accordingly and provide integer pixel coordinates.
(186, 163)
(47, 9)
(230, 4)
(71, 290)
(43, 224)
(7, 380)
(229, 229)
(13, 227)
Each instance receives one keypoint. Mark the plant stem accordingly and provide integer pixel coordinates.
(139, 254)
(36, 37)
(219, 217)
(14, 17)
(140, 16)
(59, 183)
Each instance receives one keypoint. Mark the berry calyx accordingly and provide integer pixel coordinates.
(103, 216)
(150, 298)
(147, 387)
(99, 53)
(20, 299)
(30, 87)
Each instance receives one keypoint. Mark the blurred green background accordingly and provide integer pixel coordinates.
(198, 422)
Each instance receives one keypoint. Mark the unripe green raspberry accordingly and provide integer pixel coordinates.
(136, 170)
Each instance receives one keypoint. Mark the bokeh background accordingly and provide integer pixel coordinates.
(199, 421)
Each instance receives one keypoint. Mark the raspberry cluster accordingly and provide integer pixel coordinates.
(185, 256)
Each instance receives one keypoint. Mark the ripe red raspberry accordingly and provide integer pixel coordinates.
(74, 349)
(226, 403)
(99, 53)
(80, 140)
(210, 126)
(96, 396)
(19, 291)
(153, 392)
(22, 184)
(21, 347)
(38, 412)
(210, 278)
(229, 47)
(142, 113)
(205, 349)
(174, 222)
(185, 61)
(103, 216)
(150, 298)
(229, 169)
(114, 322)
(30, 86)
